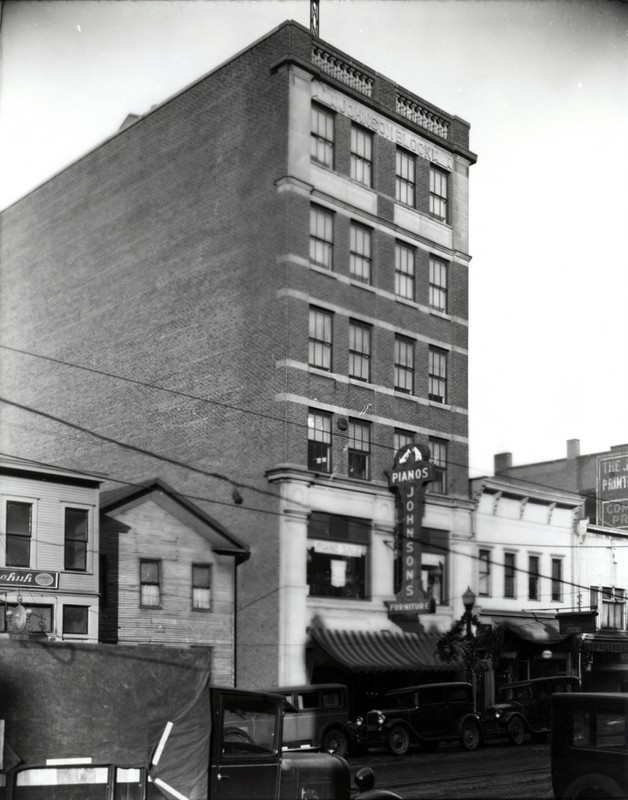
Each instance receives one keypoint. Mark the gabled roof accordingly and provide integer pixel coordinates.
(220, 539)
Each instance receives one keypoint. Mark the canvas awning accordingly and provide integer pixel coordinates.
(605, 642)
(380, 651)
(531, 629)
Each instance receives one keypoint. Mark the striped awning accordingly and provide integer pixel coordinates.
(605, 642)
(380, 651)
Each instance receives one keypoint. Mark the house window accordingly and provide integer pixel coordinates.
(404, 365)
(75, 620)
(150, 583)
(319, 441)
(39, 617)
(438, 285)
(439, 458)
(337, 556)
(437, 378)
(359, 351)
(360, 253)
(557, 580)
(361, 155)
(359, 450)
(404, 271)
(19, 532)
(484, 573)
(321, 237)
(405, 184)
(201, 586)
(533, 578)
(509, 575)
(320, 339)
(401, 439)
(322, 136)
(612, 614)
(438, 193)
(76, 526)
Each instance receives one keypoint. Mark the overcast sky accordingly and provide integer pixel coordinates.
(544, 85)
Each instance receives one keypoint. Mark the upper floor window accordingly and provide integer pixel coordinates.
(401, 439)
(201, 586)
(404, 271)
(437, 378)
(337, 556)
(361, 155)
(320, 339)
(322, 136)
(75, 620)
(359, 449)
(359, 351)
(484, 573)
(319, 441)
(509, 575)
(150, 582)
(404, 365)
(438, 284)
(557, 580)
(360, 253)
(439, 448)
(612, 609)
(76, 529)
(321, 237)
(19, 532)
(533, 578)
(438, 192)
(405, 184)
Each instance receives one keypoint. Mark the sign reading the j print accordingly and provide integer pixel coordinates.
(409, 477)
(34, 579)
(612, 491)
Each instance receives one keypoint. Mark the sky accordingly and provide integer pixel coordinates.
(544, 86)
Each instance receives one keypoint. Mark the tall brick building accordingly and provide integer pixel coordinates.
(257, 291)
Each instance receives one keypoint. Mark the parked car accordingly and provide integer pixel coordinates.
(524, 707)
(423, 715)
(316, 716)
(589, 748)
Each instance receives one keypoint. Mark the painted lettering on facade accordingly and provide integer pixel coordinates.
(612, 491)
(28, 577)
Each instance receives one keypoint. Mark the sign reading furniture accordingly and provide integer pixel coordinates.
(409, 478)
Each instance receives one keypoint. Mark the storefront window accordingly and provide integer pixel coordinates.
(337, 556)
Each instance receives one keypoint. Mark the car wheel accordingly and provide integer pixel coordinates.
(398, 740)
(470, 735)
(335, 741)
(593, 785)
(516, 731)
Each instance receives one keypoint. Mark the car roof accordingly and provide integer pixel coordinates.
(427, 686)
(534, 681)
(307, 687)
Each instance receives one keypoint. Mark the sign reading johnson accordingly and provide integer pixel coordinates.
(35, 579)
(612, 491)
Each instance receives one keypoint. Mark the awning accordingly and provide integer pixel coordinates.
(381, 651)
(540, 631)
(605, 643)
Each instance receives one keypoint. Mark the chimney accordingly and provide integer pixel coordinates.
(502, 462)
(573, 449)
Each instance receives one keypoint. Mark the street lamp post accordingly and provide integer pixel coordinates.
(468, 600)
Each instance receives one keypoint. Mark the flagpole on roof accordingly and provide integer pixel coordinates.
(314, 16)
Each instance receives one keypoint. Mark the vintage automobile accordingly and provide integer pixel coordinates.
(423, 716)
(524, 707)
(589, 745)
(316, 716)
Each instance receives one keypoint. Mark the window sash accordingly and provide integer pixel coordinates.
(360, 249)
(509, 575)
(76, 537)
(359, 352)
(150, 583)
(361, 156)
(320, 339)
(533, 578)
(484, 573)
(75, 620)
(439, 449)
(201, 586)
(321, 237)
(319, 442)
(404, 365)
(359, 450)
(405, 180)
(401, 439)
(322, 137)
(438, 193)
(437, 389)
(404, 271)
(438, 285)
(557, 583)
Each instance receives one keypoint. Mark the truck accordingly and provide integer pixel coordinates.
(84, 721)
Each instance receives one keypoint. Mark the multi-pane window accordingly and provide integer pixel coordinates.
(75, 620)
(404, 365)
(322, 136)
(533, 578)
(361, 155)
(201, 586)
(405, 184)
(150, 582)
(612, 613)
(75, 550)
(509, 575)
(438, 284)
(557, 579)
(437, 377)
(320, 339)
(438, 193)
(439, 458)
(401, 439)
(359, 449)
(484, 573)
(321, 237)
(18, 534)
(404, 271)
(360, 253)
(319, 441)
(359, 351)
(337, 556)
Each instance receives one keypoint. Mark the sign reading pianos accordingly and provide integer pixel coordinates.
(409, 478)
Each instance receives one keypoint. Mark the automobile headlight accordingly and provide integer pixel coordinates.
(381, 718)
(359, 721)
(498, 714)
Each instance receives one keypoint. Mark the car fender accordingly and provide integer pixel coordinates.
(471, 718)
